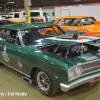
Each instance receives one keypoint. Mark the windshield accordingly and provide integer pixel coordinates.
(88, 20)
(10, 15)
(29, 36)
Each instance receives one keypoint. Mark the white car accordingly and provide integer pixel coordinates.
(40, 15)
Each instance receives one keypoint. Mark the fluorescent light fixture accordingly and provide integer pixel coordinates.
(11, 2)
(80, 5)
(0, 7)
(70, 6)
(77, 0)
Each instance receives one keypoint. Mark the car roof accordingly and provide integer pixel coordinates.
(75, 17)
(25, 26)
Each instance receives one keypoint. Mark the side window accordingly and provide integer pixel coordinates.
(10, 15)
(30, 36)
(68, 22)
(44, 14)
(23, 13)
(71, 22)
(76, 23)
(11, 36)
(16, 15)
(35, 14)
(61, 22)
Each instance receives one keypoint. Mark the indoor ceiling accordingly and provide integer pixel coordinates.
(8, 4)
(41, 3)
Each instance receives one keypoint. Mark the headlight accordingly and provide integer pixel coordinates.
(75, 72)
(78, 70)
(71, 74)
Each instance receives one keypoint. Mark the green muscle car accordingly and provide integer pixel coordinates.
(52, 62)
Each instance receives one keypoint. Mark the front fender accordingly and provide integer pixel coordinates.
(57, 72)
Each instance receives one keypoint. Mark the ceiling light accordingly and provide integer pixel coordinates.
(77, 0)
(80, 5)
(11, 2)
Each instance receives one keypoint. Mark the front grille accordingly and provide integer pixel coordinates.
(91, 64)
(87, 68)
(91, 67)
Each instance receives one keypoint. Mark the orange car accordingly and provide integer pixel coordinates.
(81, 25)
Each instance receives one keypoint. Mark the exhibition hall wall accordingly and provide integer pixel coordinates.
(78, 10)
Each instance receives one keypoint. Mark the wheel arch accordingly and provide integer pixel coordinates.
(54, 76)
(33, 71)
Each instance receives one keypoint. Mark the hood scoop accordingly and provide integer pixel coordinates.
(68, 36)
(88, 58)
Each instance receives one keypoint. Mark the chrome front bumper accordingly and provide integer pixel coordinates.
(89, 79)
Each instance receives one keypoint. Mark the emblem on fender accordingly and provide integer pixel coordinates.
(5, 55)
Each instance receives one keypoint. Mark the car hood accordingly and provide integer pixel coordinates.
(66, 62)
(89, 57)
(56, 40)
(61, 41)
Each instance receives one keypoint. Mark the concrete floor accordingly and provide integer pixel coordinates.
(11, 82)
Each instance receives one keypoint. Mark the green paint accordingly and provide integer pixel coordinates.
(32, 56)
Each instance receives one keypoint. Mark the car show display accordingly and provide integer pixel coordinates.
(17, 17)
(52, 62)
(81, 25)
(50, 50)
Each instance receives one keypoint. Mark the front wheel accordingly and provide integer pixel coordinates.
(44, 83)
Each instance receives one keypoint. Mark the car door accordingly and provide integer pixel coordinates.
(72, 25)
(10, 49)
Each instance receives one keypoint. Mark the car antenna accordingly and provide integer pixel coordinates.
(82, 50)
(98, 42)
(99, 46)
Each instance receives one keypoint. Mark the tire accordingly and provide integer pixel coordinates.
(44, 83)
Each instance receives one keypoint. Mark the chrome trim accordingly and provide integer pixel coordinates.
(85, 74)
(92, 61)
(15, 69)
(89, 79)
(73, 68)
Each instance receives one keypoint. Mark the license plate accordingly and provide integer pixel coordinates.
(96, 79)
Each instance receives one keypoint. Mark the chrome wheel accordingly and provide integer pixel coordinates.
(43, 81)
